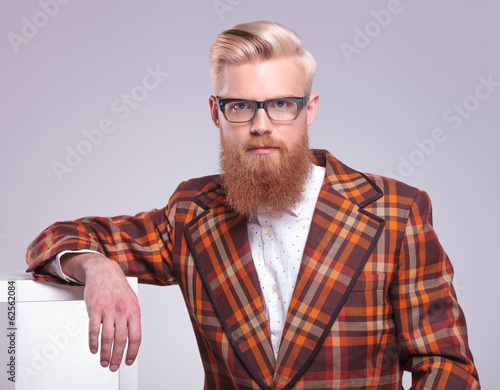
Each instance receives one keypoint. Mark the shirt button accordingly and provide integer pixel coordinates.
(269, 233)
(275, 288)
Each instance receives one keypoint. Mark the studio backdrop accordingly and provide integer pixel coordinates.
(104, 111)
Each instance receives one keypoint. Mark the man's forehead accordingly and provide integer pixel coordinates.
(262, 80)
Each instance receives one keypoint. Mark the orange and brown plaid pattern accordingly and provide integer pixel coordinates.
(374, 294)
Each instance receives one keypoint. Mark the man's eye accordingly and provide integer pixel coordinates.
(281, 103)
(237, 106)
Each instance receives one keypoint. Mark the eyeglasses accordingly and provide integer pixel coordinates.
(278, 110)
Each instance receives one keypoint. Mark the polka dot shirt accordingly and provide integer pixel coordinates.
(277, 242)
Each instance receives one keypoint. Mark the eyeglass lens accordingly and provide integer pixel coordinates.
(279, 110)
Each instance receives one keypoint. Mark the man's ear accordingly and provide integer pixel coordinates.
(214, 110)
(312, 108)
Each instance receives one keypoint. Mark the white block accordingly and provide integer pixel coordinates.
(45, 336)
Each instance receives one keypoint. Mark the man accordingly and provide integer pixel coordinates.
(297, 271)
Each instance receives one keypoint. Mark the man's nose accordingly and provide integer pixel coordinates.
(261, 124)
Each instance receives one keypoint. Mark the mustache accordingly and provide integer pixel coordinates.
(263, 141)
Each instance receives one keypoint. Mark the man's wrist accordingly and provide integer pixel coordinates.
(77, 265)
(53, 267)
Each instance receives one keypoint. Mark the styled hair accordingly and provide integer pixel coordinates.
(259, 41)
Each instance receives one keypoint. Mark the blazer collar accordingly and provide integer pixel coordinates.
(341, 238)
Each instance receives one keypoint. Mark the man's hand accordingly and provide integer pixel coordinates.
(111, 302)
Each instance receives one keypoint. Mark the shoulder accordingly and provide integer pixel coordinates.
(202, 190)
(392, 187)
(399, 201)
(199, 185)
(365, 188)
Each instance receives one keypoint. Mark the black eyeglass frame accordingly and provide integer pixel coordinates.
(301, 102)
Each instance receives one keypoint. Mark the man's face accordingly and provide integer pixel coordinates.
(264, 163)
(263, 81)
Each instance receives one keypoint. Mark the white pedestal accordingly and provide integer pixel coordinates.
(44, 335)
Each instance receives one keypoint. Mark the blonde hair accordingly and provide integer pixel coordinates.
(259, 41)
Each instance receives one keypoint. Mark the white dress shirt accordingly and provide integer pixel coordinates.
(277, 242)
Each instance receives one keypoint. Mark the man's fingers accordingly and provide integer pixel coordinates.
(94, 331)
(134, 340)
(107, 336)
(118, 346)
(115, 332)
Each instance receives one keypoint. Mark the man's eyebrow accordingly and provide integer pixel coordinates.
(253, 100)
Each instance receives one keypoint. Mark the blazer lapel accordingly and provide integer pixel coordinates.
(219, 243)
(341, 238)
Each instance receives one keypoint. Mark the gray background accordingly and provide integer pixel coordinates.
(376, 106)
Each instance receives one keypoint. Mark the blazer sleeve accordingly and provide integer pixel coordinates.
(431, 325)
(141, 244)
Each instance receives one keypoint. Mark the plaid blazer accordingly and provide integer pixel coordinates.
(374, 294)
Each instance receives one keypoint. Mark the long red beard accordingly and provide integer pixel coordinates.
(272, 182)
